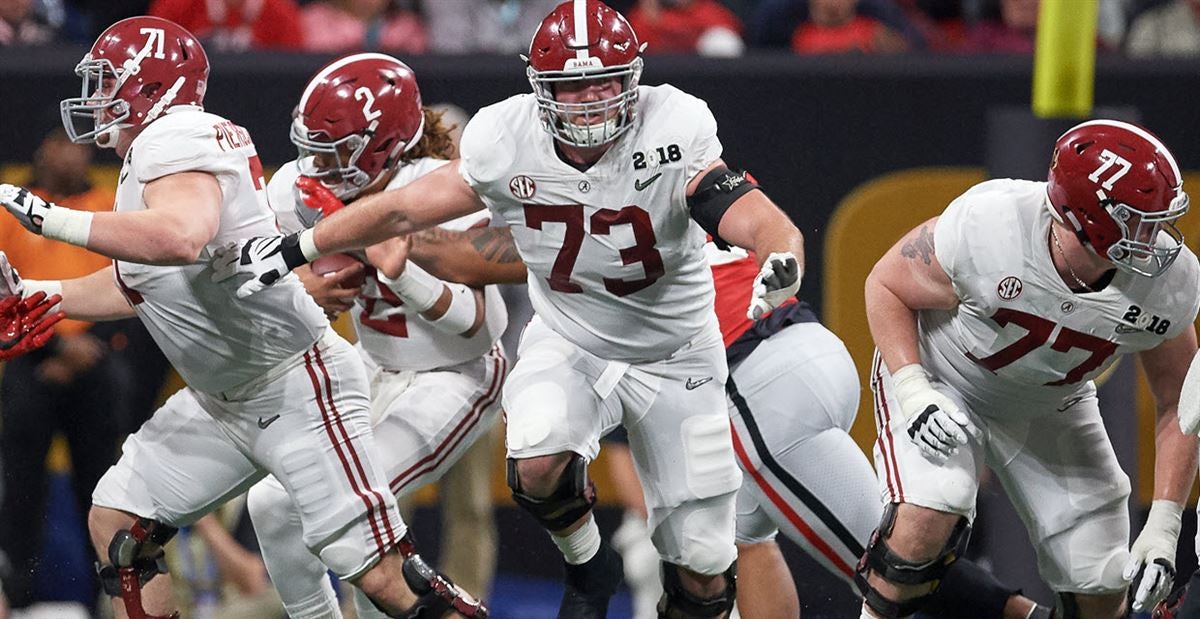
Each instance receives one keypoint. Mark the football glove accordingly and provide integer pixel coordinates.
(777, 281)
(29, 209)
(260, 261)
(1153, 555)
(932, 421)
(25, 324)
(11, 283)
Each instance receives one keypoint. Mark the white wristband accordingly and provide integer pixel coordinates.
(460, 316)
(308, 245)
(50, 286)
(415, 286)
(1165, 516)
(67, 225)
(908, 381)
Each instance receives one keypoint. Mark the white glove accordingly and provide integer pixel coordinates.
(933, 421)
(777, 281)
(1154, 549)
(11, 283)
(1189, 399)
(260, 261)
(29, 209)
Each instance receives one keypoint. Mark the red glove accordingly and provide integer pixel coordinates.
(25, 325)
(317, 196)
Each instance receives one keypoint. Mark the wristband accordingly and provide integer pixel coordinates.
(415, 286)
(460, 316)
(50, 286)
(67, 225)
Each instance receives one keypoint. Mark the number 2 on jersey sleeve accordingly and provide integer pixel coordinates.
(1038, 331)
(601, 224)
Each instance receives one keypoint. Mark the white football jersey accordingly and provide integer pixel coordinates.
(392, 337)
(616, 264)
(215, 340)
(1019, 335)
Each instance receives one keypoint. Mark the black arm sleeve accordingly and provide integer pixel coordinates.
(717, 191)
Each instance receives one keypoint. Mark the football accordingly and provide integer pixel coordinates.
(328, 265)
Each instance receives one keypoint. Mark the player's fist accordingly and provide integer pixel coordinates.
(777, 281)
(1153, 555)
(932, 421)
(25, 324)
(260, 261)
(316, 196)
(29, 209)
(11, 283)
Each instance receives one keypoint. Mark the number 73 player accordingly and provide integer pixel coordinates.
(991, 321)
(609, 188)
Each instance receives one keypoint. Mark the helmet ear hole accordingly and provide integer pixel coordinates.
(1082, 146)
(150, 89)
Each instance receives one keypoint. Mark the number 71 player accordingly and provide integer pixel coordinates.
(609, 188)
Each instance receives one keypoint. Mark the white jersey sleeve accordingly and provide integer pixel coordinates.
(705, 147)
(291, 213)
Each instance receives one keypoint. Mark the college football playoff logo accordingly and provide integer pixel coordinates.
(522, 187)
(1009, 288)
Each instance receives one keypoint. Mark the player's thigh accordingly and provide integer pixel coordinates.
(177, 467)
(802, 378)
(310, 428)
(678, 426)
(429, 422)
(1062, 475)
(550, 398)
(907, 476)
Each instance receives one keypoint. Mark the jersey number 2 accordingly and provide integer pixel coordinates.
(1038, 332)
(601, 223)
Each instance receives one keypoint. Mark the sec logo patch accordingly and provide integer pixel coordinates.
(1009, 288)
(522, 187)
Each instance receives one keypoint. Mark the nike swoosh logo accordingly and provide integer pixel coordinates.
(263, 423)
(640, 185)
(692, 383)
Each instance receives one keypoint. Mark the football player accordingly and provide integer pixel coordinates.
(609, 188)
(271, 388)
(432, 346)
(991, 321)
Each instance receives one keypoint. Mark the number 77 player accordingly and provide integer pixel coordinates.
(991, 322)
(609, 188)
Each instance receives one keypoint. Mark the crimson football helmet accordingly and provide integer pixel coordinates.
(357, 115)
(135, 70)
(585, 40)
(1119, 187)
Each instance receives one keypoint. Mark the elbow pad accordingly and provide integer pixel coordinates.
(717, 191)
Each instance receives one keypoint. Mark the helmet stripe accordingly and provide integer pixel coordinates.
(1145, 135)
(337, 64)
(581, 29)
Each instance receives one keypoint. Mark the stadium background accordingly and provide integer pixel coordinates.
(855, 149)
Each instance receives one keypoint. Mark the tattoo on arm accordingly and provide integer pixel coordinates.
(920, 247)
(495, 245)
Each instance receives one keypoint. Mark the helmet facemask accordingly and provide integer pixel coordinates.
(335, 163)
(97, 114)
(588, 124)
(1150, 240)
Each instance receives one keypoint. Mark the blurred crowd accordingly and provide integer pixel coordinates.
(1138, 28)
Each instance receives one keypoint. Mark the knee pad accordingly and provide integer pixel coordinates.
(880, 558)
(135, 556)
(572, 500)
(679, 603)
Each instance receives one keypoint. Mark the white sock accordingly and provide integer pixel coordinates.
(580, 546)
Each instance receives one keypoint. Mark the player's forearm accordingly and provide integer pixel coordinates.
(95, 298)
(1175, 459)
(373, 220)
(893, 325)
(145, 237)
(475, 257)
